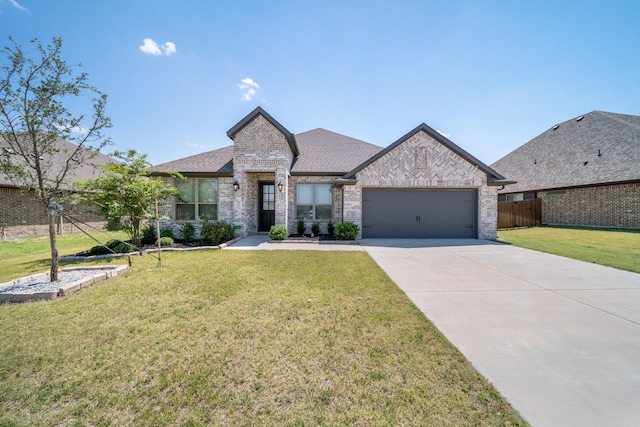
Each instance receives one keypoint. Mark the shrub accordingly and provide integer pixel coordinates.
(331, 228)
(315, 228)
(99, 250)
(301, 227)
(165, 241)
(148, 234)
(215, 233)
(166, 232)
(188, 232)
(278, 232)
(124, 248)
(113, 243)
(347, 231)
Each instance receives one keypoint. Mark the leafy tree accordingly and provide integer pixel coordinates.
(125, 193)
(37, 122)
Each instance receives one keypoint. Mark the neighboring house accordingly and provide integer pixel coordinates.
(586, 171)
(21, 214)
(422, 185)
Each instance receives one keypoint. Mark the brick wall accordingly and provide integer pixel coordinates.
(422, 162)
(603, 206)
(22, 215)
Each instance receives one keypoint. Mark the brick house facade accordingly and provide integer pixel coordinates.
(270, 176)
(22, 214)
(586, 171)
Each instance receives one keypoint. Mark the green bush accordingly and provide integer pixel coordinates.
(111, 244)
(278, 232)
(301, 227)
(124, 248)
(315, 228)
(148, 233)
(166, 232)
(165, 241)
(331, 228)
(188, 232)
(215, 233)
(347, 231)
(99, 250)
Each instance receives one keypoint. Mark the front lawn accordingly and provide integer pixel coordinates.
(613, 248)
(282, 338)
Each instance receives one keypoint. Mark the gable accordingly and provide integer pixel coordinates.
(423, 157)
(421, 161)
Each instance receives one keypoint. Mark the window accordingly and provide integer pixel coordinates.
(197, 199)
(515, 197)
(313, 201)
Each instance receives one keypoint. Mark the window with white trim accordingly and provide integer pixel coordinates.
(313, 201)
(515, 197)
(197, 199)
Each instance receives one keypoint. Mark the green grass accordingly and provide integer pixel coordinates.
(21, 257)
(282, 338)
(614, 248)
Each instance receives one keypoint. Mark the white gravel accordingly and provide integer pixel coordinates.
(43, 284)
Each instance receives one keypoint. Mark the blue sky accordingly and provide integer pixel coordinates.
(490, 75)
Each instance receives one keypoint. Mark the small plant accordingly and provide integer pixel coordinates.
(215, 233)
(331, 228)
(315, 228)
(148, 234)
(166, 232)
(347, 231)
(188, 232)
(278, 232)
(301, 227)
(165, 241)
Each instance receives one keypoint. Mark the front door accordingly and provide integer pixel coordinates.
(267, 214)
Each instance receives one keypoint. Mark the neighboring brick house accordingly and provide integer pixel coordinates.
(422, 185)
(586, 171)
(21, 214)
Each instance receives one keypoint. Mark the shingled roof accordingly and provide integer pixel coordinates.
(321, 152)
(53, 165)
(217, 163)
(595, 148)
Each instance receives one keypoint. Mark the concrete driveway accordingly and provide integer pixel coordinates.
(559, 338)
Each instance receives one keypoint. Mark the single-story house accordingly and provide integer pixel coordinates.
(586, 170)
(422, 185)
(21, 214)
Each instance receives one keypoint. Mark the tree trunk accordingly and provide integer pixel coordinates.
(54, 245)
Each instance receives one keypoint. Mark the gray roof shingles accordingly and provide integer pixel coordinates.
(321, 152)
(53, 165)
(566, 155)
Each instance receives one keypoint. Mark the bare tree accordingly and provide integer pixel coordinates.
(43, 105)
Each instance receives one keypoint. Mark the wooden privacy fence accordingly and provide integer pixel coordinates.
(524, 213)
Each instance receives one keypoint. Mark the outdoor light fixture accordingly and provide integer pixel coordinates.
(236, 186)
(280, 187)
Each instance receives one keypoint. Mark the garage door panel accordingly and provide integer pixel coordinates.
(419, 213)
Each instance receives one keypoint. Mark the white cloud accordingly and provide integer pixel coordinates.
(192, 145)
(17, 5)
(150, 47)
(248, 87)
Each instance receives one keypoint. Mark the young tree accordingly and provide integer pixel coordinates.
(36, 118)
(125, 193)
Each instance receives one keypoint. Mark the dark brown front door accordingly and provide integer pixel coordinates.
(267, 214)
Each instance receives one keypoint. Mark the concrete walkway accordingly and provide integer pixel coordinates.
(559, 338)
